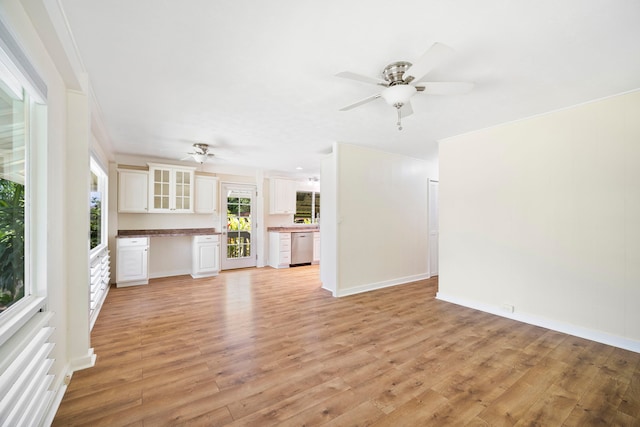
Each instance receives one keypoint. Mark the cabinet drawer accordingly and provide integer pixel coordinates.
(285, 257)
(212, 238)
(130, 241)
(285, 245)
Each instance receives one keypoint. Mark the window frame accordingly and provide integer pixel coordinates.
(18, 76)
(315, 214)
(96, 168)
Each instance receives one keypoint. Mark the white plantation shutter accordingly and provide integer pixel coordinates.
(25, 380)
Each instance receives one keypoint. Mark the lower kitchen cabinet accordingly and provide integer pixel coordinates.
(205, 256)
(279, 249)
(132, 261)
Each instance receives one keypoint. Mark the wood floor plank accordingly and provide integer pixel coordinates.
(364, 414)
(419, 411)
(630, 403)
(271, 347)
(282, 410)
(552, 409)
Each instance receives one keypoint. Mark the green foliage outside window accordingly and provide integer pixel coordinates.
(11, 243)
(238, 227)
(95, 220)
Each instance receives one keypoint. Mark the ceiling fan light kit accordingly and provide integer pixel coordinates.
(200, 153)
(398, 95)
(403, 79)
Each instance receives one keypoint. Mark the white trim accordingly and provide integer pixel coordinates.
(379, 285)
(20, 65)
(159, 274)
(555, 325)
(60, 389)
(21, 312)
(84, 362)
(93, 253)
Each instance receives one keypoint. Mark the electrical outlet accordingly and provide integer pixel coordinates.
(508, 308)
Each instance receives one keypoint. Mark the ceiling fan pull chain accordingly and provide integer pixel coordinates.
(398, 106)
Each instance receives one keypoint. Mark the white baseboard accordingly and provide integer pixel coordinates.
(61, 383)
(555, 325)
(379, 285)
(159, 274)
(84, 362)
(59, 389)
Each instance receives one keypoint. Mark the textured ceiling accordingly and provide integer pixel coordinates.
(255, 80)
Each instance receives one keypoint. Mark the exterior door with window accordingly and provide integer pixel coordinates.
(238, 244)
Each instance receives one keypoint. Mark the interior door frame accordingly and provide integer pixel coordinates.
(251, 261)
(434, 228)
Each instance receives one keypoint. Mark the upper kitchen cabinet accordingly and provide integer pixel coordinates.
(133, 190)
(206, 200)
(283, 196)
(171, 188)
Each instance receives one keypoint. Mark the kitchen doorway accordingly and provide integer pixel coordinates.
(238, 238)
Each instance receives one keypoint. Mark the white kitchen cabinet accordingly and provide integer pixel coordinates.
(279, 249)
(283, 196)
(133, 188)
(170, 188)
(133, 261)
(205, 256)
(316, 248)
(206, 196)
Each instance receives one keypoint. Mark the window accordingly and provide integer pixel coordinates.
(238, 225)
(13, 124)
(307, 207)
(97, 206)
(22, 126)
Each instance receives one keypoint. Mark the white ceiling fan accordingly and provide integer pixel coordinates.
(403, 79)
(200, 153)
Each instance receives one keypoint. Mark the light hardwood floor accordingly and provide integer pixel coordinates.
(261, 347)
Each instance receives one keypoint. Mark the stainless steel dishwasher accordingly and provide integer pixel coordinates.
(301, 248)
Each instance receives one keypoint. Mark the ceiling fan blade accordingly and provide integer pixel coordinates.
(187, 158)
(444, 88)
(361, 78)
(362, 101)
(433, 57)
(406, 110)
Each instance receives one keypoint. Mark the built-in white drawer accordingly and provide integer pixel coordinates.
(207, 238)
(133, 241)
(285, 245)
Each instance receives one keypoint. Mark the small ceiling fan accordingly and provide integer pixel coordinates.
(200, 153)
(403, 79)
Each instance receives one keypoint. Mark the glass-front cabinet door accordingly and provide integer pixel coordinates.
(170, 189)
(161, 193)
(183, 187)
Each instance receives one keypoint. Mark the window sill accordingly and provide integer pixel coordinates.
(17, 315)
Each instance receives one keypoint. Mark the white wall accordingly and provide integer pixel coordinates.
(76, 244)
(329, 249)
(381, 224)
(62, 244)
(544, 215)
